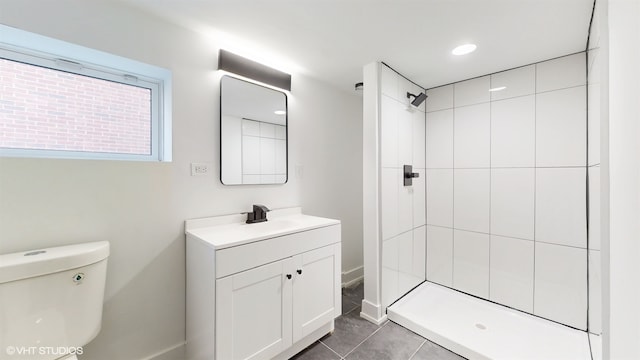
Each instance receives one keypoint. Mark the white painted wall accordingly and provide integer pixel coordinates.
(621, 250)
(140, 207)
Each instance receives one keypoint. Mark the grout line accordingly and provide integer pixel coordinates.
(325, 345)
(420, 347)
(490, 182)
(367, 338)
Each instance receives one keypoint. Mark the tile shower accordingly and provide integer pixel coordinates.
(505, 171)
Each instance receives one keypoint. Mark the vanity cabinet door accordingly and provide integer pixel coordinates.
(253, 312)
(315, 289)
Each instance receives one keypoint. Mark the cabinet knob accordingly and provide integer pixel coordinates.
(289, 276)
(299, 271)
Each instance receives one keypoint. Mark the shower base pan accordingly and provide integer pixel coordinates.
(479, 329)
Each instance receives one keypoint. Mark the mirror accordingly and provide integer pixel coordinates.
(253, 133)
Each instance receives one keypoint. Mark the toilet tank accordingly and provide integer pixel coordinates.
(51, 299)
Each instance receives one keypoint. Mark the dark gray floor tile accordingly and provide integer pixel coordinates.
(317, 351)
(391, 342)
(432, 351)
(347, 305)
(355, 293)
(350, 330)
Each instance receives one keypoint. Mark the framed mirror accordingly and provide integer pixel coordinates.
(253, 133)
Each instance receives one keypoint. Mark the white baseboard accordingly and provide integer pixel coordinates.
(171, 353)
(372, 313)
(353, 276)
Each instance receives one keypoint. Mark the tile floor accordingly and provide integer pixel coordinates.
(355, 338)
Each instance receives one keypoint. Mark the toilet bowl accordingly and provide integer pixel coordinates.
(51, 301)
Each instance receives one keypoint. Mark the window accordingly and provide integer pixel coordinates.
(85, 104)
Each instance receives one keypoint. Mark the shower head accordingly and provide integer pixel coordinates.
(417, 99)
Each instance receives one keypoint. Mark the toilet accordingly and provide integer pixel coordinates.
(51, 301)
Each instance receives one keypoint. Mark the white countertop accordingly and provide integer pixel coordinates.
(231, 230)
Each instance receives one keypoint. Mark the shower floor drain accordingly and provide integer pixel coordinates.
(481, 326)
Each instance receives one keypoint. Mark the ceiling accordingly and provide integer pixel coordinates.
(332, 39)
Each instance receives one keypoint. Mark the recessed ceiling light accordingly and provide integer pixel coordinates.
(464, 49)
(279, 112)
(498, 88)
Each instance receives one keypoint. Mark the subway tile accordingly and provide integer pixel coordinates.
(405, 204)
(471, 199)
(472, 136)
(512, 202)
(561, 206)
(440, 255)
(471, 263)
(419, 252)
(440, 197)
(516, 82)
(511, 272)
(439, 139)
(561, 73)
(439, 98)
(472, 91)
(561, 284)
(513, 132)
(561, 128)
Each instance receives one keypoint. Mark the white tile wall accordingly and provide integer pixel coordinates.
(518, 188)
(512, 272)
(389, 132)
(419, 197)
(389, 183)
(517, 82)
(405, 205)
(419, 252)
(440, 197)
(561, 284)
(439, 142)
(471, 262)
(281, 132)
(471, 199)
(268, 155)
(419, 140)
(440, 255)
(281, 156)
(595, 292)
(405, 137)
(513, 132)
(512, 202)
(403, 210)
(560, 127)
(440, 98)
(472, 91)
(472, 142)
(267, 130)
(389, 82)
(250, 157)
(251, 128)
(561, 206)
(594, 208)
(561, 73)
(594, 124)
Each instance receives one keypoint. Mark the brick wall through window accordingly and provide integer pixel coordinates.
(48, 109)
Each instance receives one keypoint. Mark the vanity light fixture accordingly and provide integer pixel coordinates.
(236, 64)
(464, 49)
(279, 112)
(500, 88)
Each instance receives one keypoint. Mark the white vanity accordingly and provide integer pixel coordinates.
(261, 291)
